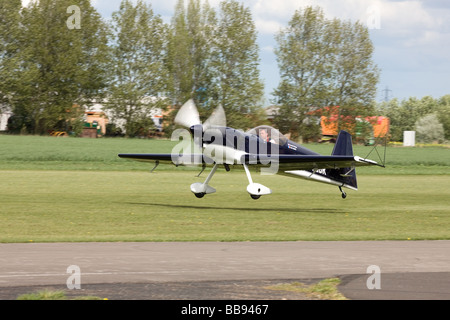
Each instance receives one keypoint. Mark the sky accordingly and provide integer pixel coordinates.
(411, 38)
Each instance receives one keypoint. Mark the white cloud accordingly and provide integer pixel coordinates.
(271, 15)
(403, 18)
(269, 27)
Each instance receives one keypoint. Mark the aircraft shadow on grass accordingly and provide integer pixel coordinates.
(296, 209)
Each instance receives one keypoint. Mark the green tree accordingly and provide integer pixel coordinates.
(179, 63)
(56, 67)
(304, 55)
(443, 114)
(404, 114)
(355, 76)
(59, 66)
(190, 56)
(429, 129)
(391, 109)
(237, 84)
(213, 59)
(322, 63)
(9, 49)
(139, 76)
(190, 51)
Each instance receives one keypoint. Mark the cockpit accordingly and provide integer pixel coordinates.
(269, 134)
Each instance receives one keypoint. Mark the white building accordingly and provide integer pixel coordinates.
(4, 116)
(155, 113)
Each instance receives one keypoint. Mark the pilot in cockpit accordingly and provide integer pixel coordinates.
(265, 135)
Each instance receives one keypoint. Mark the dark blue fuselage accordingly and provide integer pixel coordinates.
(248, 142)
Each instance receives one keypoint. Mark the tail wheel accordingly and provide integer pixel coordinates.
(343, 194)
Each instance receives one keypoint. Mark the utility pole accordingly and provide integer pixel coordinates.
(386, 93)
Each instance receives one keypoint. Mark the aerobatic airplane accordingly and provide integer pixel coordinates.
(263, 148)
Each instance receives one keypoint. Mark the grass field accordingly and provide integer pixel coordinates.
(50, 153)
(68, 189)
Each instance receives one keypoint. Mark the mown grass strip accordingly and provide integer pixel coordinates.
(323, 290)
(66, 206)
(54, 295)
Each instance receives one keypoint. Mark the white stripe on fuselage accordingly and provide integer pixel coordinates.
(223, 154)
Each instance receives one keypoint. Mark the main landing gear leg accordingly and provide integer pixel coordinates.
(344, 195)
(255, 190)
(200, 189)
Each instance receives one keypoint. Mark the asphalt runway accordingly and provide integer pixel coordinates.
(380, 270)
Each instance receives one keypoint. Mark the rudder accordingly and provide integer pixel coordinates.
(344, 147)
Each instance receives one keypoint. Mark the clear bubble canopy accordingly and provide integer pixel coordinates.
(269, 134)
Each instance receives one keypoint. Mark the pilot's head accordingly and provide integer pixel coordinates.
(264, 134)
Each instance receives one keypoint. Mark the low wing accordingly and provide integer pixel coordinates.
(168, 158)
(285, 162)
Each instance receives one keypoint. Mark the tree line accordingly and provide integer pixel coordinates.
(131, 64)
(54, 58)
(428, 116)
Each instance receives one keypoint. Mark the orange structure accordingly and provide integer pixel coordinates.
(380, 125)
(363, 127)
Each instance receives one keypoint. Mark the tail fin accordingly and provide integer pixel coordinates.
(344, 147)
